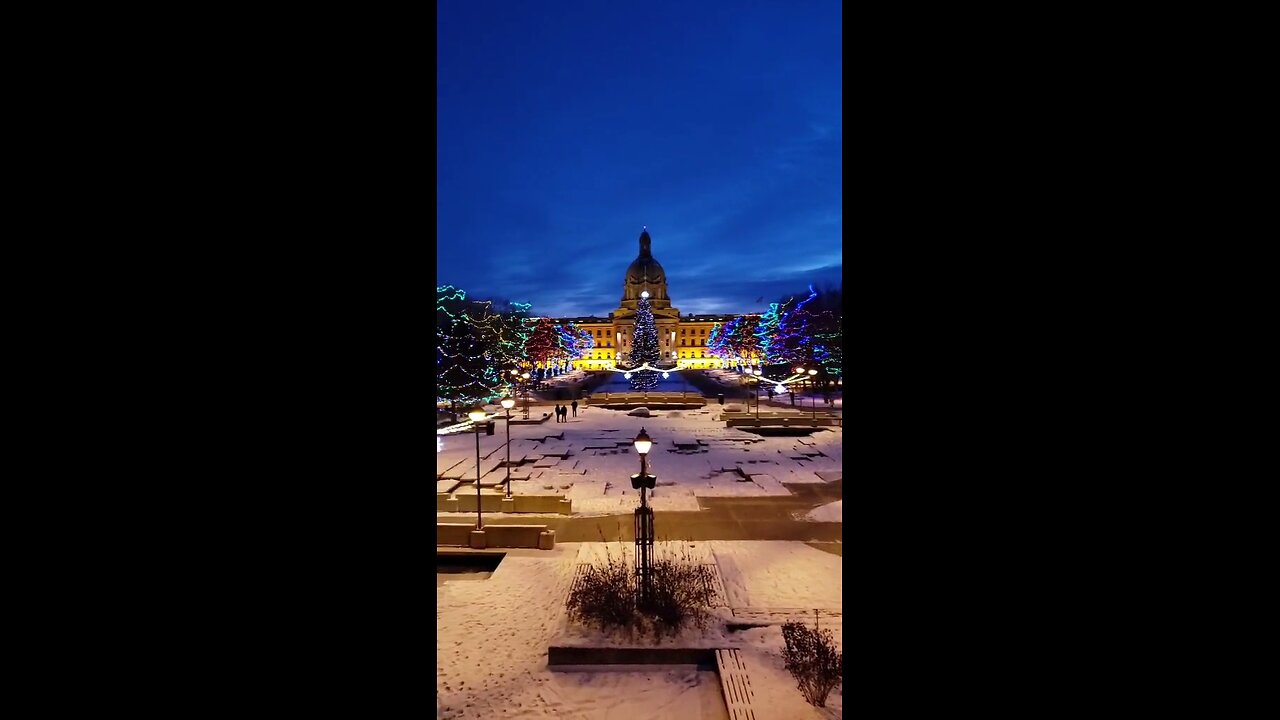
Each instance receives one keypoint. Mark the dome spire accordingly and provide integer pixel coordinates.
(644, 242)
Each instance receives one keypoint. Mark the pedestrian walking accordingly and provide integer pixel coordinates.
(557, 412)
(575, 408)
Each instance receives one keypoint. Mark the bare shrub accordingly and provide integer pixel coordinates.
(681, 595)
(605, 595)
(812, 659)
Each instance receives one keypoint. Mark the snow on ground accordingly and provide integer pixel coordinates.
(598, 459)
(491, 654)
(492, 638)
(831, 512)
(777, 695)
(775, 574)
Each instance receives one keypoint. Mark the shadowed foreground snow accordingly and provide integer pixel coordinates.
(491, 652)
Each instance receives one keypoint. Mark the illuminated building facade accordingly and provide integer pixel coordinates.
(682, 339)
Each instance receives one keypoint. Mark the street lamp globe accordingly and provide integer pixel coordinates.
(508, 402)
(477, 414)
(813, 372)
(758, 373)
(799, 370)
(665, 375)
(779, 388)
(626, 375)
(525, 376)
(644, 294)
(643, 442)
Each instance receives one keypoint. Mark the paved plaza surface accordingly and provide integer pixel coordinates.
(714, 482)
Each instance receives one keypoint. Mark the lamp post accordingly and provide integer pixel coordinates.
(508, 403)
(644, 521)
(814, 396)
(757, 373)
(477, 414)
(525, 388)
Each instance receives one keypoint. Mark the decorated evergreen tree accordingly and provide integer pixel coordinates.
(644, 346)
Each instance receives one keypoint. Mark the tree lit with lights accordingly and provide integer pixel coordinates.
(475, 341)
(644, 346)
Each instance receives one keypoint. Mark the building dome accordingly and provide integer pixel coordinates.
(645, 273)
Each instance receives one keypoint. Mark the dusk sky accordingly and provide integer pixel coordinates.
(564, 127)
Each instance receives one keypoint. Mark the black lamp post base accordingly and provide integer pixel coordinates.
(644, 555)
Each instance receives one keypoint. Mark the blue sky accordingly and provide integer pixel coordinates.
(564, 127)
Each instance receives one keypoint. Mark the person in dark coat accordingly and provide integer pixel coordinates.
(558, 412)
(575, 408)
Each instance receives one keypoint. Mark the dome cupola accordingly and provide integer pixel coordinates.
(645, 273)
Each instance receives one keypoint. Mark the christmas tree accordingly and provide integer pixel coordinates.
(644, 346)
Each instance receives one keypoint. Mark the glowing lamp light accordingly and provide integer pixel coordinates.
(525, 376)
(508, 402)
(813, 372)
(439, 445)
(758, 373)
(666, 375)
(627, 375)
(644, 294)
(643, 442)
(779, 389)
(476, 414)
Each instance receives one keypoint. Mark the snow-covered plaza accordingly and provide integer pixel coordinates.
(493, 636)
(590, 458)
(494, 633)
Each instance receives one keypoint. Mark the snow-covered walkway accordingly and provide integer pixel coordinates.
(492, 639)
